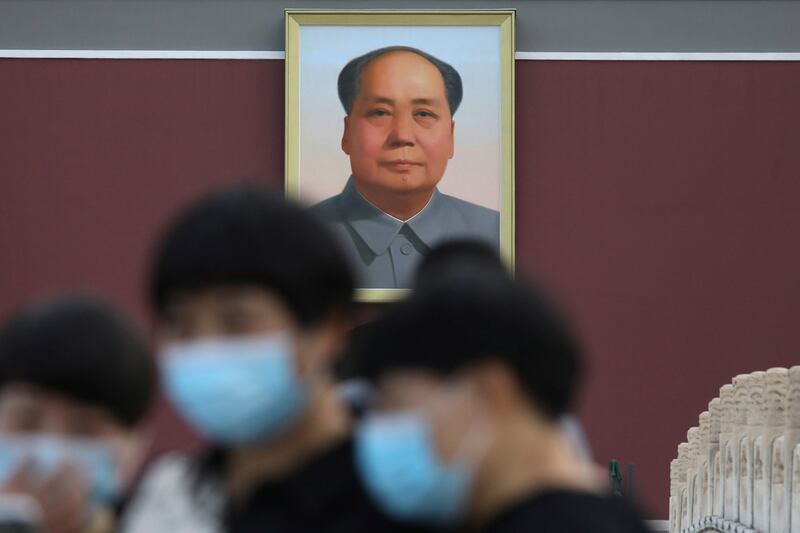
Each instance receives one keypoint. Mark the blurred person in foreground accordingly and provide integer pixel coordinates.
(473, 372)
(76, 381)
(253, 296)
(439, 262)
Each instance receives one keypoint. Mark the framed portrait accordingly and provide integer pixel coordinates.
(400, 133)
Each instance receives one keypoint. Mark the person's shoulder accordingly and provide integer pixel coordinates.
(166, 497)
(346, 505)
(567, 511)
(170, 470)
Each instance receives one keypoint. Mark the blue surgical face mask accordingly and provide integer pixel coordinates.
(397, 460)
(94, 458)
(235, 390)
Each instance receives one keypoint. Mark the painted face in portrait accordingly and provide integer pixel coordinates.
(399, 133)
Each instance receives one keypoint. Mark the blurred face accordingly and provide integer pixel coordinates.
(399, 134)
(453, 407)
(223, 312)
(239, 367)
(242, 311)
(26, 409)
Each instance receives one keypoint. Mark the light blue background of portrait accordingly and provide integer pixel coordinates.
(474, 172)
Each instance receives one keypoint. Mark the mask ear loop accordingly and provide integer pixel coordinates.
(130, 459)
(473, 446)
(309, 376)
(122, 453)
(476, 440)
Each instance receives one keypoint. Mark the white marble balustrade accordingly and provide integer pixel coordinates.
(739, 469)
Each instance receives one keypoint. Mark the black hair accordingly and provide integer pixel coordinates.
(80, 348)
(244, 235)
(462, 253)
(349, 364)
(350, 76)
(471, 314)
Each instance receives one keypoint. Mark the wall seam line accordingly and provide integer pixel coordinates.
(279, 55)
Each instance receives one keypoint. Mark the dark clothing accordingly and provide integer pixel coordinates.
(568, 512)
(324, 496)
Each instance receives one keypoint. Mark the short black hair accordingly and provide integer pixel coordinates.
(81, 348)
(461, 253)
(350, 76)
(469, 315)
(245, 235)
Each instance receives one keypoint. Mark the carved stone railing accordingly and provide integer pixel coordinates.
(739, 470)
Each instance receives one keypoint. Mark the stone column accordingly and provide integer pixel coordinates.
(740, 441)
(703, 465)
(692, 478)
(776, 384)
(753, 423)
(791, 442)
(728, 452)
(685, 511)
(715, 466)
(674, 496)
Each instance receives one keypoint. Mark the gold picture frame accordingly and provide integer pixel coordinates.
(500, 22)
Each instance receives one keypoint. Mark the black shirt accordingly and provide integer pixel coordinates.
(568, 512)
(324, 496)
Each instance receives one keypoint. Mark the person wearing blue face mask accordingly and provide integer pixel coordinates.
(253, 299)
(76, 381)
(470, 391)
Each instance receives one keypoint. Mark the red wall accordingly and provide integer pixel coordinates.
(658, 199)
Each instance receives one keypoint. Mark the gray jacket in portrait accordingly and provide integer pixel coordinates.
(384, 250)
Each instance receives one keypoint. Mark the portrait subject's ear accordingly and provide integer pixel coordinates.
(346, 136)
(452, 138)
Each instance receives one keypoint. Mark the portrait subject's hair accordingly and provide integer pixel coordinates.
(244, 235)
(350, 76)
(83, 350)
(471, 314)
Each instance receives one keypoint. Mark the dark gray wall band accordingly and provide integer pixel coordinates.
(543, 25)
